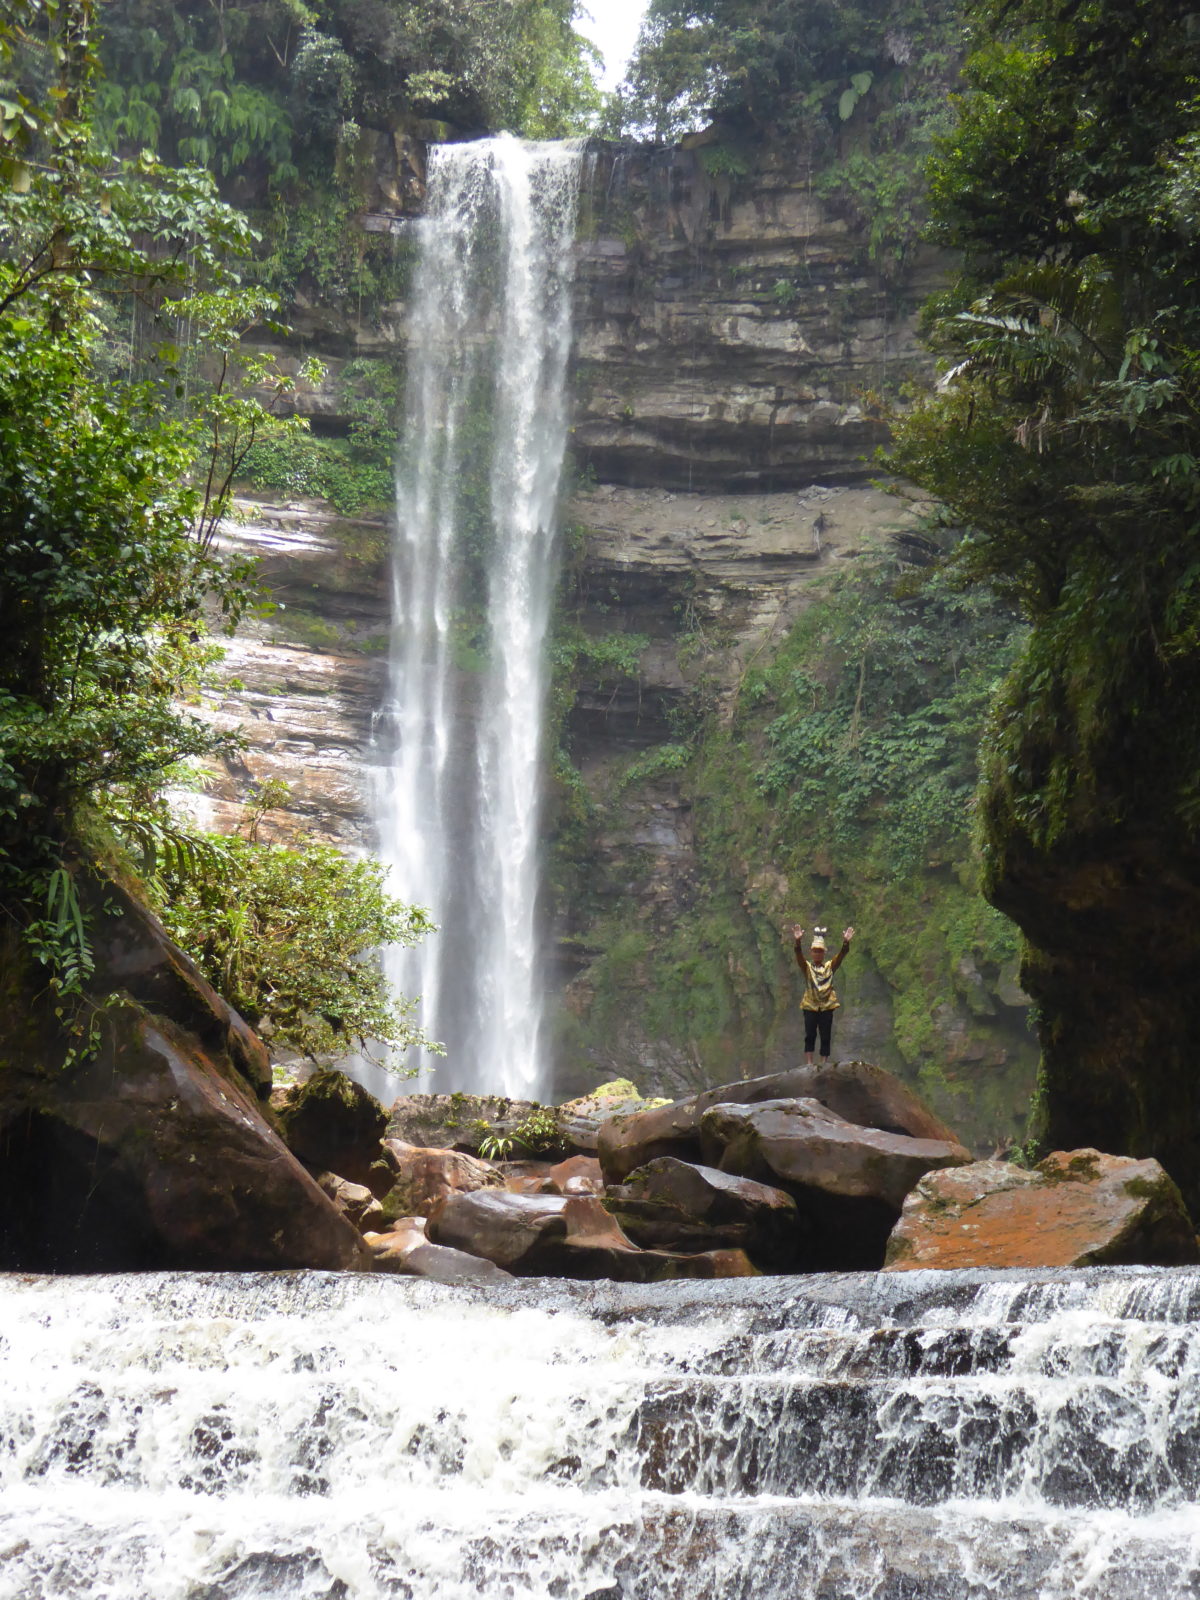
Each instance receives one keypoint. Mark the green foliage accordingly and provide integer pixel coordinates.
(109, 491)
(1065, 433)
(798, 68)
(283, 90)
(536, 1133)
(881, 697)
(326, 469)
(288, 936)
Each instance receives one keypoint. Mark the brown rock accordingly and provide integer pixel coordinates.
(422, 1177)
(855, 1090)
(333, 1125)
(1077, 1208)
(454, 1121)
(849, 1182)
(805, 1145)
(673, 1205)
(580, 1120)
(152, 1151)
(355, 1202)
(406, 1251)
(516, 1231)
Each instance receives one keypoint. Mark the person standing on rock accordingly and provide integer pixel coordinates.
(820, 998)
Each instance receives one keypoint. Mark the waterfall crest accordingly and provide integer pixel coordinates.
(923, 1436)
(457, 797)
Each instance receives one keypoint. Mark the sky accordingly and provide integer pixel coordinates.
(612, 25)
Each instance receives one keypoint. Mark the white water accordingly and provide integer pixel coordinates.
(457, 801)
(931, 1436)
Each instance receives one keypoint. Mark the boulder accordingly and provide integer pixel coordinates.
(516, 1231)
(673, 1205)
(406, 1251)
(564, 1237)
(855, 1090)
(849, 1181)
(333, 1125)
(146, 1148)
(355, 1202)
(1077, 1208)
(575, 1175)
(422, 1177)
(455, 1121)
(580, 1120)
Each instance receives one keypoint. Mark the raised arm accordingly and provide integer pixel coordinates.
(797, 936)
(844, 951)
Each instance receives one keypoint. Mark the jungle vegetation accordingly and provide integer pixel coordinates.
(113, 478)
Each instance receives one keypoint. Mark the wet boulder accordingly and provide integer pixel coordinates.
(1076, 1208)
(849, 1182)
(406, 1251)
(580, 1120)
(333, 1125)
(673, 1205)
(519, 1232)
(857, 1091)
(455, 1121)
(148, 1149)
(560, 1236)
(354, 1200)
(422, 1177)
(574, 1175)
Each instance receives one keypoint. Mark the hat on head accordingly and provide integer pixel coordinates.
(818, 939)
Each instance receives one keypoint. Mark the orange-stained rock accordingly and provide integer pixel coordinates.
(576, 1175)
(421, 1177)
(405, 1250)
(1078, 1208)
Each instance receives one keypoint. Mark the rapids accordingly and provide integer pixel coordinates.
(914, 1436)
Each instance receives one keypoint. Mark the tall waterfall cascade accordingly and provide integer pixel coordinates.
(924, 1436)
(457, 797)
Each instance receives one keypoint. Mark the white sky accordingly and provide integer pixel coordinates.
(612, 25)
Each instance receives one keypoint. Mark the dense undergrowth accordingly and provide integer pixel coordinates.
(835, 780)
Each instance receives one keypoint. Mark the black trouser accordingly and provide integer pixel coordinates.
(812, 1021)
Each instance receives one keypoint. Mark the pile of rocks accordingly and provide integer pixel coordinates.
(829, 1168)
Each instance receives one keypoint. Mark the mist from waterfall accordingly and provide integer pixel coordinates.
(457, 797)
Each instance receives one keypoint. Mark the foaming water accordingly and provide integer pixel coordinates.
(457, 797)
(918, 1437)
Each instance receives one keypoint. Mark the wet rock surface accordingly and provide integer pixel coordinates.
(454, 1121)
(149, 1148)
(422, 1177)
(855, 1090)
(673, 1205)
(1077, 1208)
(332, 1124)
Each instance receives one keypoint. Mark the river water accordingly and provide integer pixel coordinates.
(457, 801)
(922, 1436)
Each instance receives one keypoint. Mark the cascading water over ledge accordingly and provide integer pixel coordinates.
(457, 797)
(924, 1436)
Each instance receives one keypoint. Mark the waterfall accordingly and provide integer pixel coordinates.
(457, 802)
(922, 1436)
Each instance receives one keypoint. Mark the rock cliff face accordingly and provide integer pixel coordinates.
(731, 331)
(732, 338)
